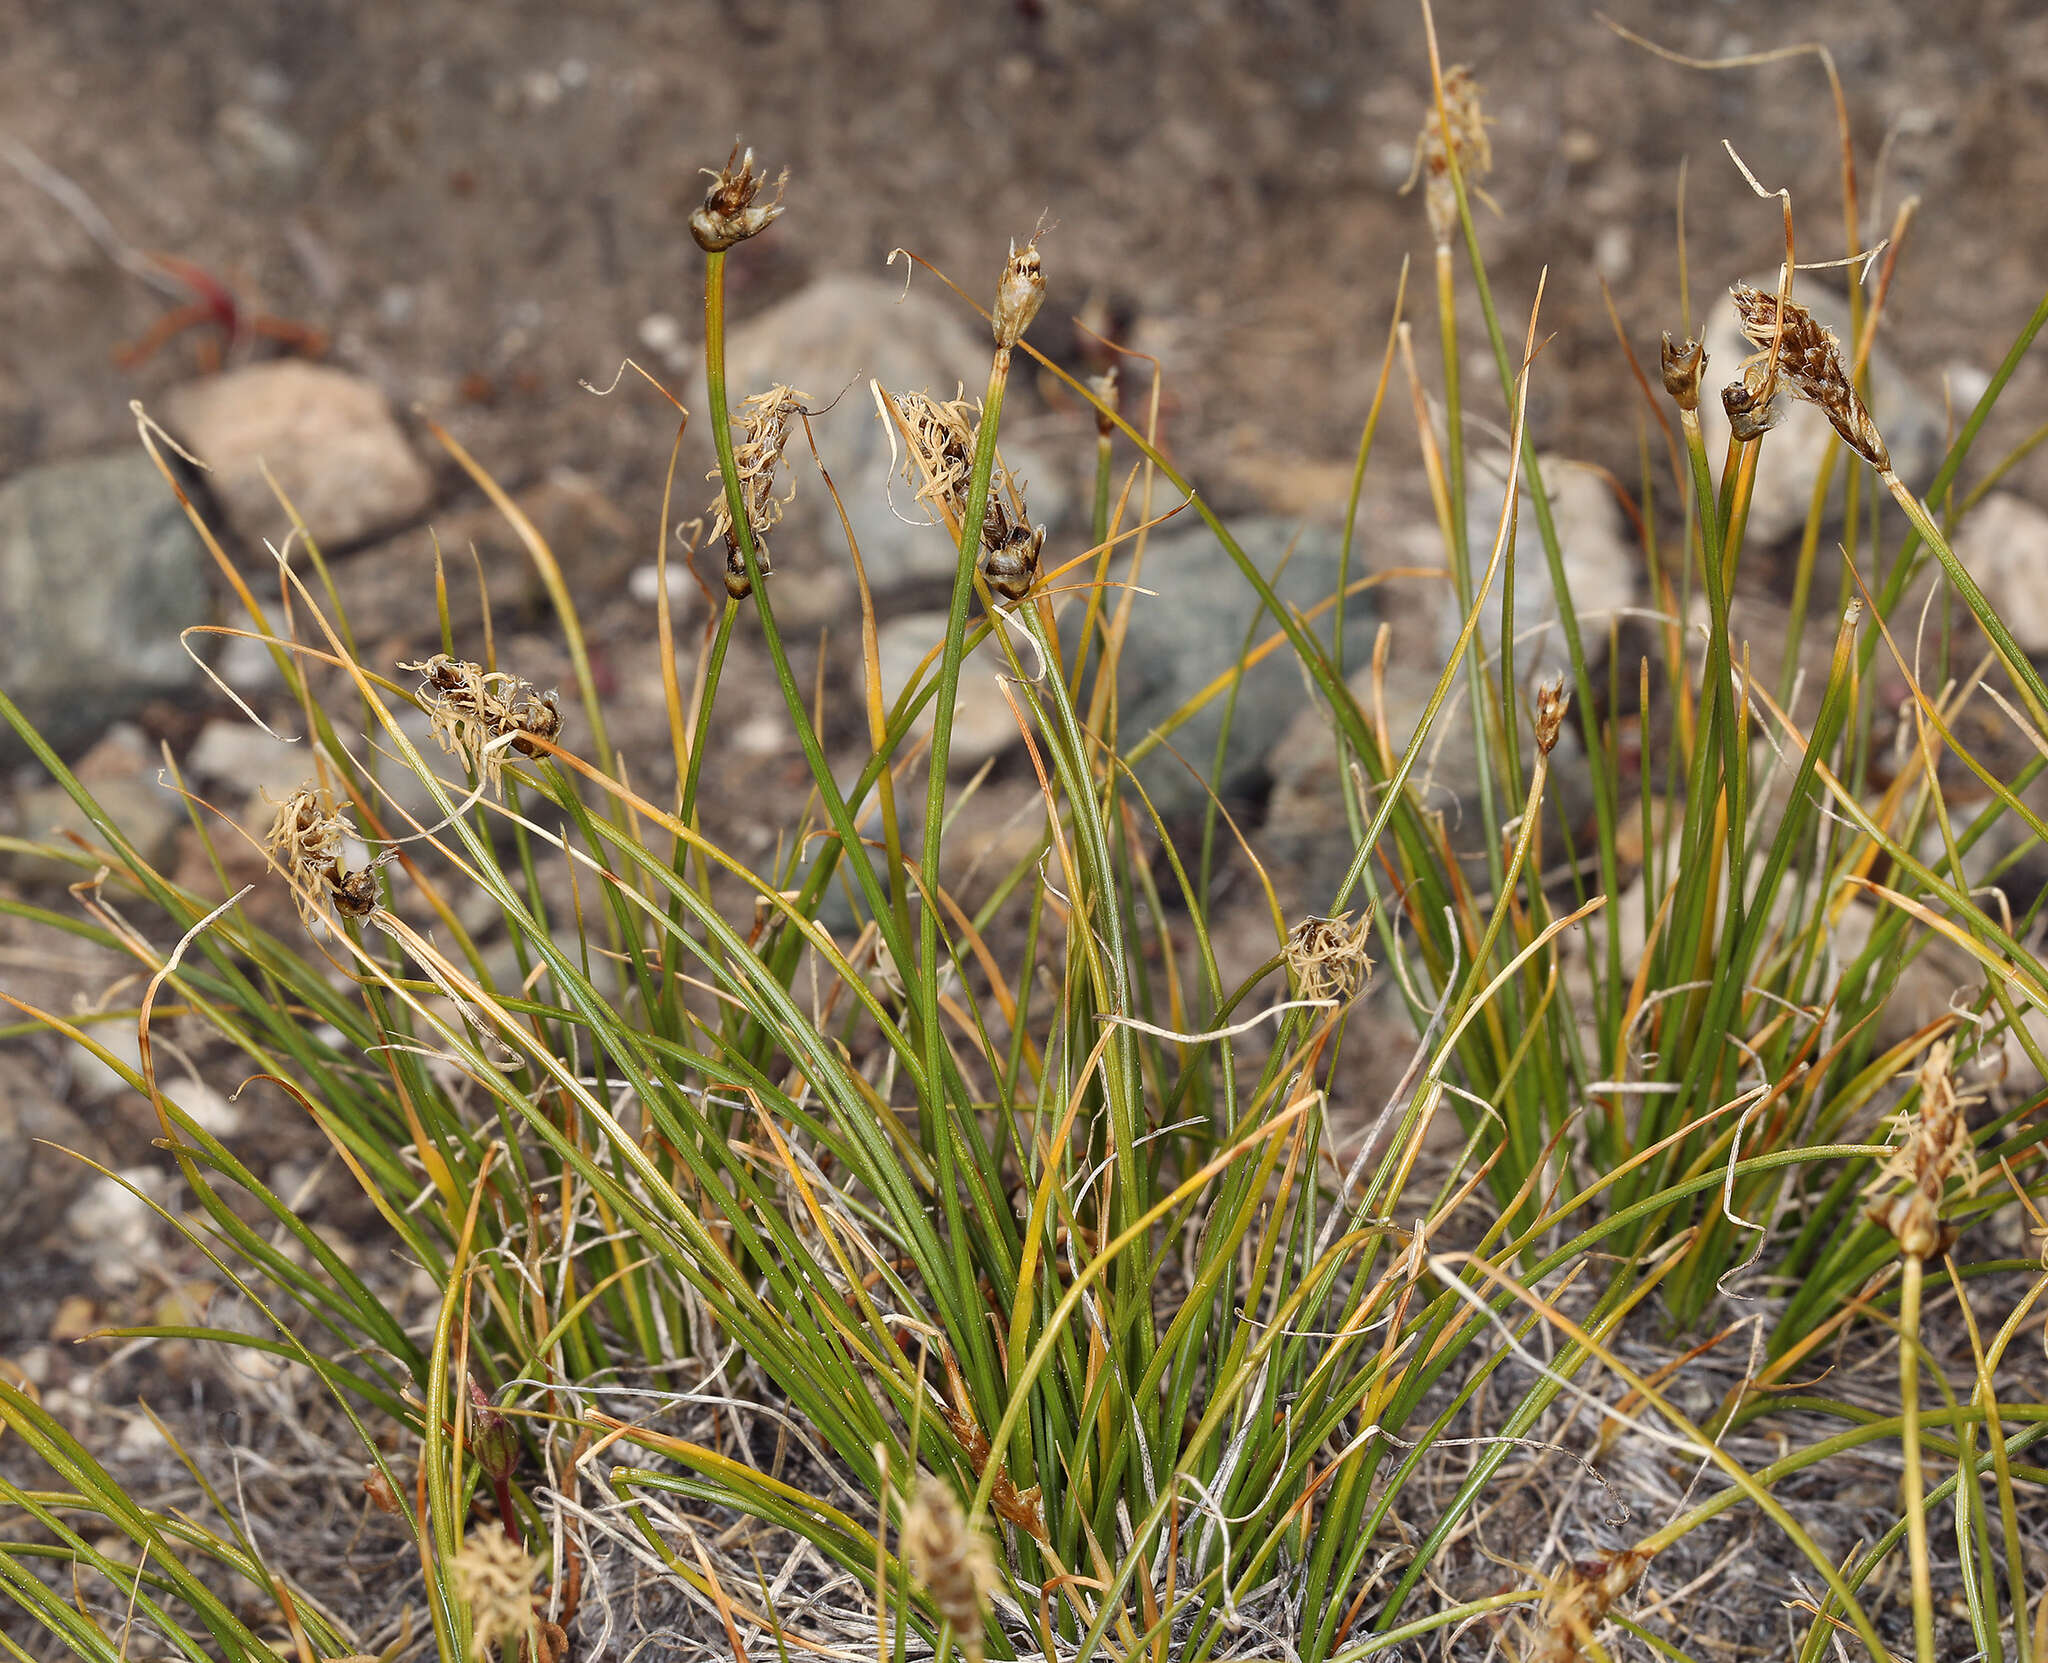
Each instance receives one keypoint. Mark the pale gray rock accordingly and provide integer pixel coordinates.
(120, 772)
(99, 572)
(35, 1130)
(1194, 628)
(982, 723)
(2003, 544)
(1602, 566)
(328, 438)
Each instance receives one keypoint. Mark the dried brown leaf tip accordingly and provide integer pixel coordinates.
(766, 422)
(1683, 367)
(1019, 293)
(472, 709)
(952, 1561)
(1327, 957)
(1458, 128)
(942, 437)
(1809, 358)
(730, 213)
(309, 839)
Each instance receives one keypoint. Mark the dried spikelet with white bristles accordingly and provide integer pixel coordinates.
(1466, 136)
(470, 708)
(766, 420)
(1810, 361)
(952, 1561)
(309, 839)
(941, 465)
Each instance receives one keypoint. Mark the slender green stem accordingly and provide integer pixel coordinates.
(1912, 1481)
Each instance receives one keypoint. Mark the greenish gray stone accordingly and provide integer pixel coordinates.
(99, 572)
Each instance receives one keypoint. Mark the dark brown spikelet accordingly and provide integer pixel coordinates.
(1683, 367)
(730, 214)
(1810, 361)
(1553, 699)
(1750, 414)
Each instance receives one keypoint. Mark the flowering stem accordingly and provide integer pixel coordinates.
(714, 665)
(743, 532)
(1912, 1486)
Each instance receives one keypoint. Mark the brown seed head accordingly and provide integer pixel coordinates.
(1327, 957)
(1011, 568)
(1578, 1602)
(355, 892)
(941, 464)
(1810, 361)
(730, 213)
(1683, 367)
(1553, 699)
(952, 1562)
(1019, 294)
(1914, 1223)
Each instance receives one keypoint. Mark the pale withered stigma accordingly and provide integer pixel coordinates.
(1809, 361)
(1466, 137)
(951, 1560)
(1327, 957)
(471, 708)
(309, 840)
(730, 213)
(766, 422)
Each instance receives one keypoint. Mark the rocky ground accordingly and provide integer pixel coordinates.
(478, 211)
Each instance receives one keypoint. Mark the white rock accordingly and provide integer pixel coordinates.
(93, 1079)
(209, 1109)
(644, 583)
(235, 753)
(2003, 544)
(982, 724)
(1601, 565)
(114, 1227)
(828, 341)
(1790, 459)
(330, 442)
